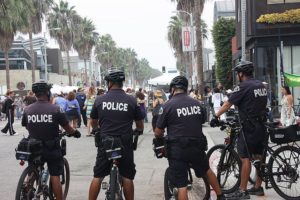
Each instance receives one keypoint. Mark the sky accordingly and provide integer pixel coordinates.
(138, 24)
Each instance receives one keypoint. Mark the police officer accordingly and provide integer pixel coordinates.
(114, 113)
(251, 99)
(42, 120)
(183, 117)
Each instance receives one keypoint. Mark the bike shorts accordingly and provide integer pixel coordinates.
(252, 143)
(126, 164)
(193, 158)
(54, 160)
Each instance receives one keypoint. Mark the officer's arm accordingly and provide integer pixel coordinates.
(159, 133)
(139, 125)
(94, 123)
(224, 108)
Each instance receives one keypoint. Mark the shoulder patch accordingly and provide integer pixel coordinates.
(236, 89)
(161, 110)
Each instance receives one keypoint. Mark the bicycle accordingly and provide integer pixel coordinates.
(198, 188)
(280, 168)
(113, 149)
(34, 181)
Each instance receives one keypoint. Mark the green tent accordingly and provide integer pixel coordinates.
(292, 80)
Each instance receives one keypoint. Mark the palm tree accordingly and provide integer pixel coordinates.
(14, 16)
(65, 18)
(41, 7)
(106, 51)
(85, 39)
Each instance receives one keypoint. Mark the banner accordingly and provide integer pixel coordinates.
(292, 80)
(187, 39)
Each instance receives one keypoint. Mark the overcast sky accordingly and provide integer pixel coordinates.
(138, 24)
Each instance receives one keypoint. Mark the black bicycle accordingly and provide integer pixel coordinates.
(198, 187)
(113, 149)
(34, 182)
(279, 166)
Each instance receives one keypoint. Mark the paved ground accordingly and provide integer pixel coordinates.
(81, 155)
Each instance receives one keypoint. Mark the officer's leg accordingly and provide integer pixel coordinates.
(245, 173)
(182, 193)
(258, 181)
(212, 180)
(95, 188)
(128, 187)
(56, 186)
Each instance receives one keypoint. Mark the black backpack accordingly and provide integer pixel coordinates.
(3, 109)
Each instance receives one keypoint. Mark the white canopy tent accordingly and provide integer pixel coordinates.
(164, 79)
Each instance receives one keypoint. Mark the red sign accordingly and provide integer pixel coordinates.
(187, 38)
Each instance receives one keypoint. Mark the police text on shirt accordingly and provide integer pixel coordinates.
(191, 110)
(261, 92)
(115, 106)
(40, 118)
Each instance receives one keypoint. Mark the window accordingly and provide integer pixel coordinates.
(282, 1)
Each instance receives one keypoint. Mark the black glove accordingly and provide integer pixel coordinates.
(77, 134)
(137, 132)
(214, 122)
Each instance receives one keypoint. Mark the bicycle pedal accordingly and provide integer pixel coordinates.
(104, 185)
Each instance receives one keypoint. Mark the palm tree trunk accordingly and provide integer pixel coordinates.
(69, 67)
(200, 76)
(7, 70)
(32, 57)
(85, 72)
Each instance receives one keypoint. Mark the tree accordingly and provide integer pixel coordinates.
(106, 50)
(66, 19)
(40, 9)
(223, 31)
(85, 39)
(13, 16)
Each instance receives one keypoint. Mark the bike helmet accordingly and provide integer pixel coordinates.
(245, 67)
(115, 75)
(179, 82)
(41, 86)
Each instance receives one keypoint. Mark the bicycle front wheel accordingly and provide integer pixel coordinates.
(228, 173)
(28, 184)
(284, 170)
(214, 155)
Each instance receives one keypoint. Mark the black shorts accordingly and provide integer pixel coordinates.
(254, 142)
(193, 158)
(126, 164)
(54, 160)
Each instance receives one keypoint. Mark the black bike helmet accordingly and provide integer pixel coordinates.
(179, 82)
(41, 86)
(245, 67)
(115, 75)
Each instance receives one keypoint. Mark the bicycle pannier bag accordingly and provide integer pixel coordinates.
(285, 135)
(28, 149)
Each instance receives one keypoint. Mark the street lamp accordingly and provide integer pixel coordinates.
(45, 52)
(192, 37)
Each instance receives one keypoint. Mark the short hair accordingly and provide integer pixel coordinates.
(71, 96)
(216, 90)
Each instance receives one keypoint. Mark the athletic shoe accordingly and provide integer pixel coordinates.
(256, 191)
(238, 195)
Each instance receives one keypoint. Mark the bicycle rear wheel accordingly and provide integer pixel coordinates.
(28, 184)
(284, 168)
(64, 180)
(228, 173)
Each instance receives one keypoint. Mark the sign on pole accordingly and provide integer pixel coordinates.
(187, 39)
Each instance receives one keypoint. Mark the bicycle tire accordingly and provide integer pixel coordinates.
(28, 170)
(214, 161)
(275, 159)
(168, 187)
(224, 167)
(66, 184)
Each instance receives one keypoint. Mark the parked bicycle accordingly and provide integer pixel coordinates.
(198, 187)
(113, 149)
(34, 182)
(279, 168)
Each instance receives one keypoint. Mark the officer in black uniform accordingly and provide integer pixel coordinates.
(183, 117)
(114, 113)
(251, 99)
(42, 120)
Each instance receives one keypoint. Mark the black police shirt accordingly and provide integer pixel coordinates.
(182, 116)
(116, 112)
(250, 97)
(42, 120)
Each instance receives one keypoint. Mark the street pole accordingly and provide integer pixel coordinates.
(45, 59)
(243, 29)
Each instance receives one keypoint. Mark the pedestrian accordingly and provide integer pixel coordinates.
(9, 111)
(29, 99)
(157, 105)
(81, 97)
(146, 105)
(72, 110)
(251, 99)
(183, 117)
(115, 113)
(217, 101)
(88, 105)
(141, 102)
(287, 116)
(60, 101)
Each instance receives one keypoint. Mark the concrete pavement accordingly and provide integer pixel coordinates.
(81, 154)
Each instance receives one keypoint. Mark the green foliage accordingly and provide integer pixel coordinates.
(223, 31)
